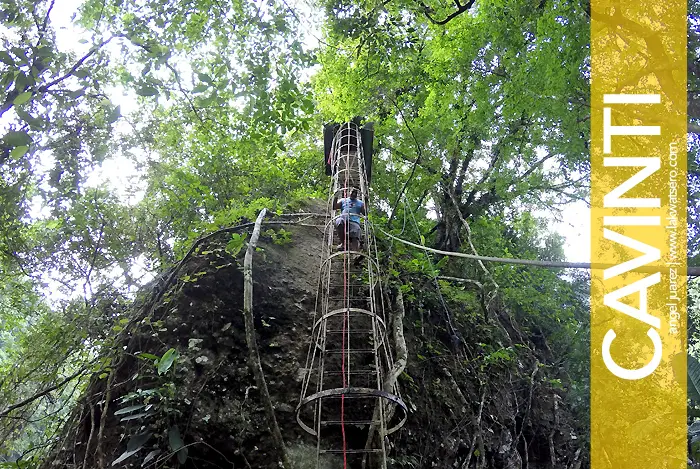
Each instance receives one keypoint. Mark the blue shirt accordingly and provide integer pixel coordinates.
(351, 207)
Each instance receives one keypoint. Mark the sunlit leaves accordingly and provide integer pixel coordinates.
(147, 91)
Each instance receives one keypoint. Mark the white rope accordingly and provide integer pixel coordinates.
(691, 271)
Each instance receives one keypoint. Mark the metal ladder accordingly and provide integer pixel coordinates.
(343, 399)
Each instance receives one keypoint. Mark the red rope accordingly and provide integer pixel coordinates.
(346, 259)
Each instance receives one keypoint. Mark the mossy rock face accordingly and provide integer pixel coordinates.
(209, 393)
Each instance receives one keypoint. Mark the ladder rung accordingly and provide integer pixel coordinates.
(336, 298)
(358, 350)
(350, 422)
(351, 396)
(350, 451)
(354, 373)
(349, 285)
(352, 331)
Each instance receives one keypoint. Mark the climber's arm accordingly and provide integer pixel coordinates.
(336, 203)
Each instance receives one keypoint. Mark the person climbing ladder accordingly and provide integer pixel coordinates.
(349, 401)
(348, 223)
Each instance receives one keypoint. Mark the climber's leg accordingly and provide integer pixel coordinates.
(354, 236)
(340, 231)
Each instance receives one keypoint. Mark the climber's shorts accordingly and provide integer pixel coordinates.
(354, 230)
(353, 227)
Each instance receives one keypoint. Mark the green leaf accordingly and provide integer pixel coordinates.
(76, 93)
(205, 78)
(132, 447)
(22, 81)
(6, 58)
(236, 244)
(19, 151)
(131, 408)
(150, 456)
(134, 416)
(200, 88)
(167, 360)
(16, 138)
(208, 101)
(53, 224)
(81, 73)
(19, 464)
(147, 91)
(7, 80)
(26, 117)
(44, 51)
(147, 356)
(177, 445)
(22, 98)
(174, 439)
(19, 53)
(137, 441)
(114, 115)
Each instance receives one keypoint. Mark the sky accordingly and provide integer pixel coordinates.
(120, 174)
(576, 228)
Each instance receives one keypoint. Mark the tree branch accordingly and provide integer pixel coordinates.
(253, 355)
(182, 90)
(77, 65)
(461, 9)
(40, 394)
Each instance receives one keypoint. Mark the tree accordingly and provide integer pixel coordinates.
(474, 108)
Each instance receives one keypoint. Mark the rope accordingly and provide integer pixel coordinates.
(346, 301)
(342, 364)
(691, 271)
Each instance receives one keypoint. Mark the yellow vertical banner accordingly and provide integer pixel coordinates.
(638, 223)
